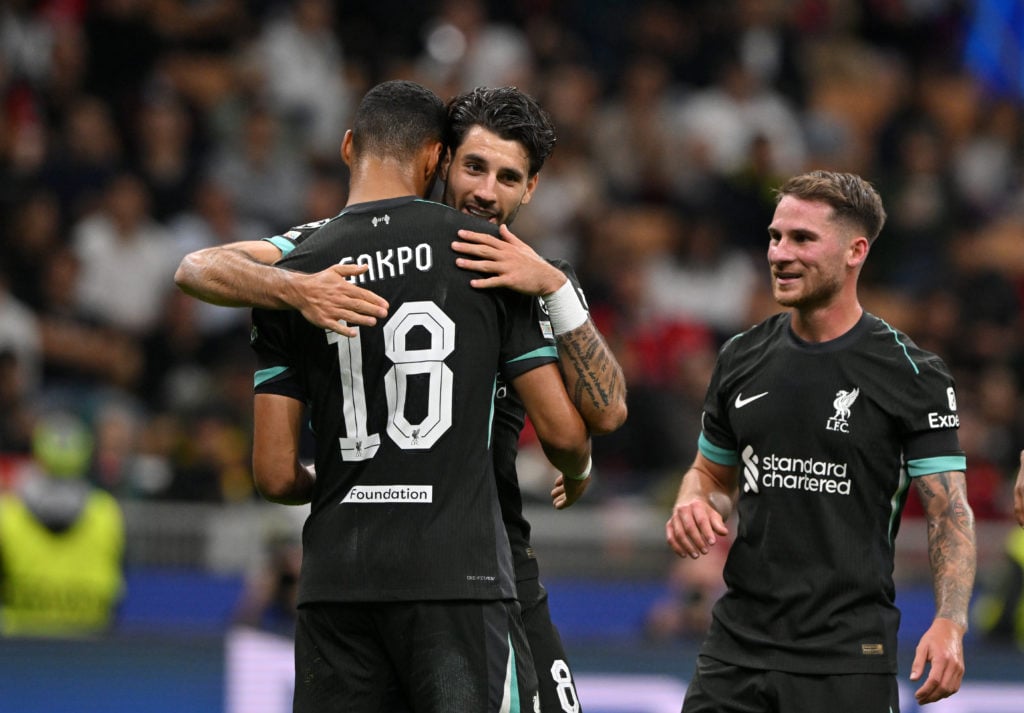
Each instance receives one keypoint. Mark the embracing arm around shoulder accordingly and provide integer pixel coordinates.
(561, 431)
(592, 375)
(704, 503)
(279, 475)
(241, 275)
(951, 552)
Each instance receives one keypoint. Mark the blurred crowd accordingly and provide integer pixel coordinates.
(134, 131)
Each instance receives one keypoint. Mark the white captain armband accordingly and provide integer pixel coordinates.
(565, 310)
(586, 471)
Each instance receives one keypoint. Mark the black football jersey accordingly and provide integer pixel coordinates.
(827, 438)
(405, 503)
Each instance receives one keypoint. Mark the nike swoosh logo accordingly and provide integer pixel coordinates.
(741, 402)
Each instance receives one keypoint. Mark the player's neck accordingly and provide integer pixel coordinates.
(827, 322)
(377, 180)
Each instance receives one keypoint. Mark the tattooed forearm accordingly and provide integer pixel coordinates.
(951, 544)
(593, 378)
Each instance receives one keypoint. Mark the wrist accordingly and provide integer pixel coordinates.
(565, 310)
(586, 471)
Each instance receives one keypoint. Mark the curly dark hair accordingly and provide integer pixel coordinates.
(506, 112)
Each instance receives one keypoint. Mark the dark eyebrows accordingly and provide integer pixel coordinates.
(798, 233)
(506, 172)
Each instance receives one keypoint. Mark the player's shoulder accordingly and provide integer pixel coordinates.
(290, 239)
(759, 336)
(456, 218)
(889, 341)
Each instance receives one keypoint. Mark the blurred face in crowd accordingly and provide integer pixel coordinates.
(488, 177)
(812, 256)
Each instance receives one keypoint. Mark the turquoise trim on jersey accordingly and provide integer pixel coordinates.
(424, 200)
(894, 503)
(722, 456)
(542, 352)
(939, 464)
(510, 700)
(903, 346)
(281, 243)
(264, 375)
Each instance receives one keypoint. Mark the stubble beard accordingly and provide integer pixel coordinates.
(819, 296)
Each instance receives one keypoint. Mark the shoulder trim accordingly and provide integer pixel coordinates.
(900, 344)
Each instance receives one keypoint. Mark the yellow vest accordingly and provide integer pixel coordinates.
(1001, 610)
(63, 583)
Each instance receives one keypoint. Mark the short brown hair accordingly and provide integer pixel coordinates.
(851, 197)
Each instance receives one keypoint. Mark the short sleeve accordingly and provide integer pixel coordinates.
(527, 341)
(275, 366)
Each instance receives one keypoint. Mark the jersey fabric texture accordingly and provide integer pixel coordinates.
(827, 437)
(405, 504)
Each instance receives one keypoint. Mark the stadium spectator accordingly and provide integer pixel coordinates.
(61, 539)
(1018, 493)
(124, 254)
(303, 67)
(997, 611)
(266, 180)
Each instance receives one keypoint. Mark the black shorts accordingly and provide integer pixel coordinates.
(719, 687)
(424, 657)
(557, 687)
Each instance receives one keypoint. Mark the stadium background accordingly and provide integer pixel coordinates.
(190, 123)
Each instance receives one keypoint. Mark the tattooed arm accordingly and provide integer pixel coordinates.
(951, 551)
(592, 375)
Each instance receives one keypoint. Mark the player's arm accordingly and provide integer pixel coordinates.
(279, 475)
(240, 275)
(1018, 493)
(560, 430)
(704, 503)
(951, 551)
(592, 375)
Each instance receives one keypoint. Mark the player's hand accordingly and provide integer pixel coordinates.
(510, 262)
(942, 647)
(1018, 493)
(327, 299)
(694, 527)
(567, 491)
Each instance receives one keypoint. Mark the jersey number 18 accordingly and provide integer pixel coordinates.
(360, 444)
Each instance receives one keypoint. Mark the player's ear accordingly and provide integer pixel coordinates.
(446, 164)
(857, 253)
(531, 186)
(346, 148)
(433, 150)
